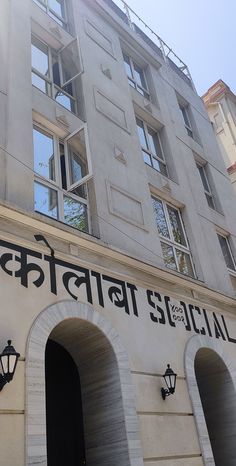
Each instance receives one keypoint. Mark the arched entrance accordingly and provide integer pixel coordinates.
(110, 420)
(218, 399)
(211, 382)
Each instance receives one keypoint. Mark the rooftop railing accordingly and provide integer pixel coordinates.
(159, 46)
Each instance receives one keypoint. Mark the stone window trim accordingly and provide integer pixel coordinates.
(62, 18)
(168, 238)
(54, 72)
(40, 331)
(65, 193)
(136, 76)
(153, 153)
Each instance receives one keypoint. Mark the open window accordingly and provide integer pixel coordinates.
(62, 173)
(55, 72)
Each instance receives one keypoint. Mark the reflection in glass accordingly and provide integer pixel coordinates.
(45, 200)
(160, 218)
(128, 66)
(65, 101)
(177, 229)
(39, 56)
(184, 263)
(41, 84)
(168, 256)
(44, 163)
(141, 134)
(139, 76)
(75, 214)
(226, 252)
(58, 7)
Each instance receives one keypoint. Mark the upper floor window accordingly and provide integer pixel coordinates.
(206, 186)
(227, 252)
(62, 171)
(56, 9)
(174, 244)
(136, 76)
(55, 72)
(151, 145)
(186, 118)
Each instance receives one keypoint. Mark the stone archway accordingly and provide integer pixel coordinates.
(103, 364)
(206, 364)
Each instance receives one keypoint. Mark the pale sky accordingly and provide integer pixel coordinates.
(201, 32)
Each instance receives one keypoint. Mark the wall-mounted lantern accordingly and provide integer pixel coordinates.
(170, 380)
(8, 360)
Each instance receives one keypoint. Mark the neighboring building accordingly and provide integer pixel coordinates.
(220, 103)
(118, 246)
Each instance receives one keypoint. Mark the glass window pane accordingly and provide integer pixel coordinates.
(160, 218)
(147, 158)
(210, 201)
(70, 62)
(77, 167)
(58, 6)
(41, 84)
(177, 229)
(184, 263)
(185, 116)
(65, 101)
(139, 76)
(203, 178)
(141, 134)
(159, 166)
(226, 252)
(127, 66)
(131, 83)
(44, 163)
(75, 214)
(154, 143)
(168, 256)
(45, 200)
(39, 56)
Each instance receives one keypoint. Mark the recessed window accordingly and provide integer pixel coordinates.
(173, 238)
(61, 176)
(227, 252)
(151, 145)
(136, 76)
(54, 73)
(56, 9)
(206, 186)
(186, 119)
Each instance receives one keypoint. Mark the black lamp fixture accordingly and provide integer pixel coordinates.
(8, 360)
(170, 380)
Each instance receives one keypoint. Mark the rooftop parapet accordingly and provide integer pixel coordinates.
(138, 25)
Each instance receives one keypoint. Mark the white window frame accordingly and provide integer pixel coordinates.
(45, 7)
(144, 149)
(57, 183)
(49, 79)
(226, 237)
(208, 192)
(171, 241)
(185, 111)
(137, 86)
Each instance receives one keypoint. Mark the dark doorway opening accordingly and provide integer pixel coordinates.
(218, 399)
(65, 432)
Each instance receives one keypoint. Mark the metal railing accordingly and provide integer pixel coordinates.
(138, 25)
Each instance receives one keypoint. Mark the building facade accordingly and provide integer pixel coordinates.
(220, 103)
(117, 237)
